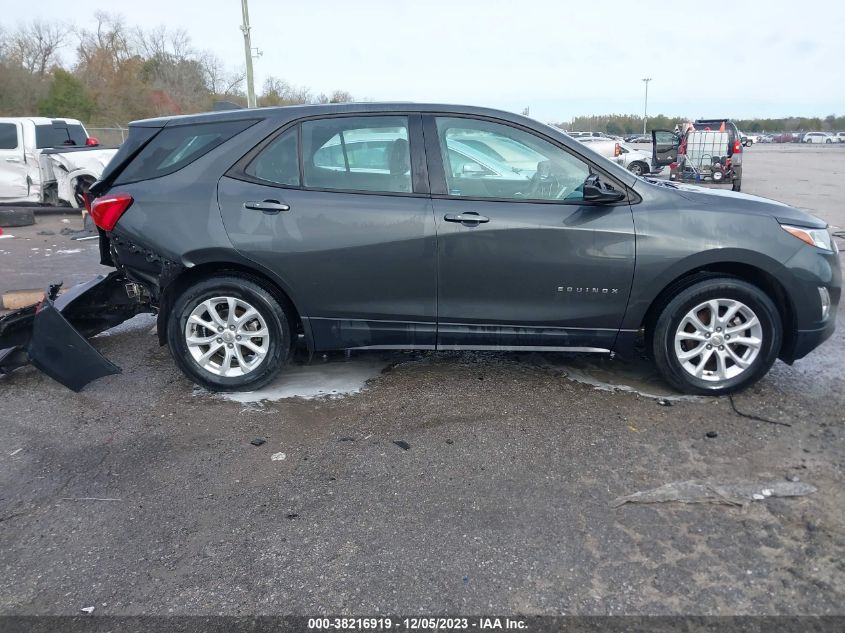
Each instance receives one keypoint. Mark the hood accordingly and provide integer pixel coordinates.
(742, 203)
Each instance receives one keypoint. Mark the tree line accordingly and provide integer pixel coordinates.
(621, 124)
(110, 74)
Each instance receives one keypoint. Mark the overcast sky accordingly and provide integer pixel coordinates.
(560, 58)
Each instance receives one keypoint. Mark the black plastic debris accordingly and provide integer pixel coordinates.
(402, 444)
(258, 441)
(711, 434)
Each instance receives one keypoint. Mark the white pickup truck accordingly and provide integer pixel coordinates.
(48, 161)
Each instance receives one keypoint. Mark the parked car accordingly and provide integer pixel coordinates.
(709, 152)
(749, 139)
(818, 137)
(787, 137)
(766, 138)
(839, 137)
(635, 161)
(48, 161)
(239, 231)
(638, 138)
(580, 135)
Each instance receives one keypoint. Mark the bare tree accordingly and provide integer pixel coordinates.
(35, 46)
(219, 80)
(160, 41)
(279, 92)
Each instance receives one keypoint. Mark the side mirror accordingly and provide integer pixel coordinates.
(595, 190)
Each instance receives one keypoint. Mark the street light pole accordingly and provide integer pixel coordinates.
(250, 82)
(645, 109)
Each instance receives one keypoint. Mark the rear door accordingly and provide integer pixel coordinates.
(523, 261)
(665, 145)
(13, 169)
(338, 209)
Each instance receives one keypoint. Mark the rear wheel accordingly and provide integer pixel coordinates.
(229, 334)
(638, 168)
(716, 337)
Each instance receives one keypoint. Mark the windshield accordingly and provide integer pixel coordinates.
(59, 134)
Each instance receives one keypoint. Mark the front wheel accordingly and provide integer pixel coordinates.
(716, 337)
(229, 334)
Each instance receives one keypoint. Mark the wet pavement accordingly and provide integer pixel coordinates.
(417, 482)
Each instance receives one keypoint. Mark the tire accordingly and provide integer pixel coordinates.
(828, 141)
(638, 168)
(270, 323)
(749, 143)
(675, 330)
(16, 217)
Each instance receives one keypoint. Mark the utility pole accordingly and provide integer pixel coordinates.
(645, 109)
(250, 81)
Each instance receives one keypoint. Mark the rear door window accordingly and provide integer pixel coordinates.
(175, 147)
(368, 153)
(59, 134)
(279, 161)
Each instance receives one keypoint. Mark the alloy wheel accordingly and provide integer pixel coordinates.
(227, 336)
(718, 340)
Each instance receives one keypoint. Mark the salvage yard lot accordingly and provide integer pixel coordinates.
(454, 482)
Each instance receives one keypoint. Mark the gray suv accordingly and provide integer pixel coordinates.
(364, 226)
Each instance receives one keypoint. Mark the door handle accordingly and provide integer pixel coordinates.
(470, 216)
(12, 159)
(271, 207)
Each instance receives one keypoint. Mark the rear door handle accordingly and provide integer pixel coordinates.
(470, 216)
(271, 207)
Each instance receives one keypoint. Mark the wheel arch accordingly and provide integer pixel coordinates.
(749, 273)
(189, 275)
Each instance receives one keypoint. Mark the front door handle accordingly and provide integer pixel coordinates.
(470, 216)
(271, 207)
(12, 159)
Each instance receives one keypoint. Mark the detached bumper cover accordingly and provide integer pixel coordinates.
(52, 335)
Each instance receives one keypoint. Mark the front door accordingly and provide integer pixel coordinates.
(14, 185)
(665, 148)
(523, 260)
(335, 210)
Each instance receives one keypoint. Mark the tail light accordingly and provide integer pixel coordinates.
(91, 141)
(106, 210)
(737, 146)
(617, 150)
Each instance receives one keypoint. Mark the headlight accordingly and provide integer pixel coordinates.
(819, 238)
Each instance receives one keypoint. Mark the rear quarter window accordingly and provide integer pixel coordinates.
(176, 147)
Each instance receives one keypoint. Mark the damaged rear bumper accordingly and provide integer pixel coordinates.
(52, 335)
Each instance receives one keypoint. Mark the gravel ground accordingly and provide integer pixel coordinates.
(451, 482)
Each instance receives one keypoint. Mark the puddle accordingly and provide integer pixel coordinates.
(337, 376)
(332, 378)
(638, 377)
